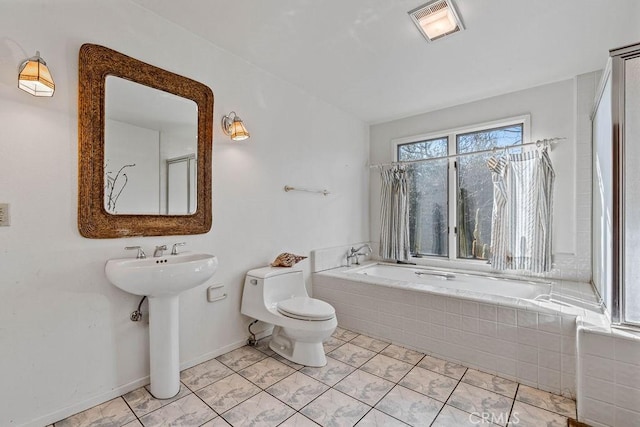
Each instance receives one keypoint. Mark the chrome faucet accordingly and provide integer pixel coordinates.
(174, 248)
(140, 255)
(159, 250)
(354, 253)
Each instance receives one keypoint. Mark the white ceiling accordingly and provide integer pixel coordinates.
(368, 58)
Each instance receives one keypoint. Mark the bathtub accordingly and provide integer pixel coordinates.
(416, 277)
(507, 326)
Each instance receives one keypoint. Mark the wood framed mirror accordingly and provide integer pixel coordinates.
(126, 106)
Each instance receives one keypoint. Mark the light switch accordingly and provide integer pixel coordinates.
(4, 215)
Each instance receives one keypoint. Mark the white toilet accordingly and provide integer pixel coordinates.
(278, 295)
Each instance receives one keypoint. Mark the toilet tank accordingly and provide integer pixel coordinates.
(264, 287)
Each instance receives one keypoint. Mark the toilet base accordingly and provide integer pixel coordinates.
(300, 352)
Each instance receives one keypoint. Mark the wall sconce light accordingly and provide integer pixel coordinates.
(34, 77)
(232, 126)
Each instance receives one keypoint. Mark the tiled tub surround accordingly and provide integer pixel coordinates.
(367, 382)
(532, 342)
(608, 376)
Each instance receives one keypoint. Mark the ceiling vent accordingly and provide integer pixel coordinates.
(436, 19)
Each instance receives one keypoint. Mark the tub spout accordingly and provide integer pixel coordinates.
(354, 253)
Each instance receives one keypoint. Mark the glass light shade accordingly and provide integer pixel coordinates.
(237, 130)
(35, 77)
(439, 23)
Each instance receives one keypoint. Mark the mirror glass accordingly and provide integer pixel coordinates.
(150, 148)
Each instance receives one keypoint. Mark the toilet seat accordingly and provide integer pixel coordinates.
(305, 308)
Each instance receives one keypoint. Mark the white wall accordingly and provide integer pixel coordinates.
(66, 341)
(553, 109)
(139, 191)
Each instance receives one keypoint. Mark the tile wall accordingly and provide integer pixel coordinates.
(328, 258)
(608, 377)
(534, 348)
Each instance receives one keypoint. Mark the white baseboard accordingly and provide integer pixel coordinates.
(86, 404)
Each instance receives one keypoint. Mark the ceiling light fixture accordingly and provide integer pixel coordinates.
(233, 127)
(34, 77)
(436, 19)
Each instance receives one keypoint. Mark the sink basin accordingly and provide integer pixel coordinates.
(161, 276)
(162, 279)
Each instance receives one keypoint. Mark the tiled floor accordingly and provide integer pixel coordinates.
(367, 382)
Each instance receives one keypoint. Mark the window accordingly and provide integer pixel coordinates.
(428, 196)
(451, 197)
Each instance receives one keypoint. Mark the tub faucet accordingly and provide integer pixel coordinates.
(159, 250)
(354, 253)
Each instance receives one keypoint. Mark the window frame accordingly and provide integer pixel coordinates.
(451, 136)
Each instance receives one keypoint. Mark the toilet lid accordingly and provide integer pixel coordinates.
(306, 309)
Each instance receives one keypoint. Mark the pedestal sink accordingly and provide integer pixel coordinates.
(162, 279)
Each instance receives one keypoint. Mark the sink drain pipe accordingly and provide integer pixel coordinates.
(136, 316)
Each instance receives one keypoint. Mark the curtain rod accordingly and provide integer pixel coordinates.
(491, 150)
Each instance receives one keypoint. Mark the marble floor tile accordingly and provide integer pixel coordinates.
(263, 346)
(288, 362)
(403, 354)
(141, 401)
(331, 344)
(369, 343)
(260, 410)
(335, 409)
(413, 408)
(443, 367)
(241, 357)
(485, 403)
(551, 402)
(113, 413)
(298, 420)
(429, 383)
(330, 373)
(297, 390)
(523, 415)
(450, 417)
(365, 387)
(228, 392)
(216, 422)
(186, 412)
(254, 386)
(491, 382)
(344, 334)
(351, 354)
(204, 374)
(375, 418)
(386, 367)
(266, 372)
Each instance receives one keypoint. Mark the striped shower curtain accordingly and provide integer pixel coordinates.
(522, 209)
(394, 213)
